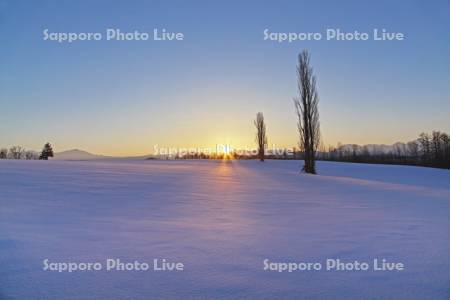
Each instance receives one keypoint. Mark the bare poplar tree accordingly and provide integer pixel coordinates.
(261, 136)
(306, 105)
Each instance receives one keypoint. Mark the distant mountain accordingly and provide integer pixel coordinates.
(76, 154)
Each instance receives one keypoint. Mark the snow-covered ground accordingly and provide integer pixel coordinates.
(222, 220)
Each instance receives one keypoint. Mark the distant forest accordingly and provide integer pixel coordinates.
(432, 150)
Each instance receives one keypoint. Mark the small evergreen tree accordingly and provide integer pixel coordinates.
(47, 152)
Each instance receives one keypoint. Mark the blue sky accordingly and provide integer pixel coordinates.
(124, 97)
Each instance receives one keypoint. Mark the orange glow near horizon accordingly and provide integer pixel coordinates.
(210, 138)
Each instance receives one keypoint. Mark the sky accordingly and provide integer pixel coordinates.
(126, 97)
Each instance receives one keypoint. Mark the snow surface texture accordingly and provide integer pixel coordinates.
(222, 219)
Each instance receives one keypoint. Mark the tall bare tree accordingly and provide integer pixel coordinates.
(307, 109)
(261, 135)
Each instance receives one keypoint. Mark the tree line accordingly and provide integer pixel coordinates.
(19, 152)
(429, 149)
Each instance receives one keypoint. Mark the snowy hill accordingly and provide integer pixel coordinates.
(76, 154)
(222, 219)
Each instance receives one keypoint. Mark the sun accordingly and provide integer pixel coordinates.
(224, 151)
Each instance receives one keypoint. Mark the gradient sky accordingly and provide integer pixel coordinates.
(122, 98)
